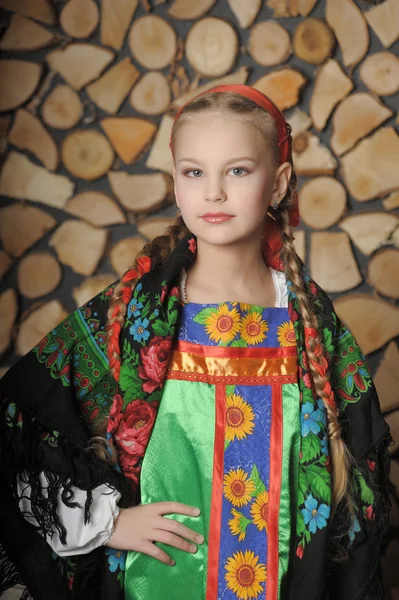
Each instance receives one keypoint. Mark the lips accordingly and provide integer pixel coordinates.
(216, 217)
(217, 214)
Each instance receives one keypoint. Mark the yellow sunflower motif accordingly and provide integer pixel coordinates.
(239, 418)
(245, 574)
(286, 334)
(259, 510)
(237, 487)
(253, 328)
(223, 325)
(238, 524)
(243, 305)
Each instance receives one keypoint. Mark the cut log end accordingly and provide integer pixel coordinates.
(269, 43)
(383, 272)
(153, 42)
(39, 274)
(211, 47)
(313, 41)
(79, 18)
(87, 154)
(332, 263)
(282, 87)
(322, 202)
(380, 73)
(372, 321)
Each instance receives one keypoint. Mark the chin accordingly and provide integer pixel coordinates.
(223, 238)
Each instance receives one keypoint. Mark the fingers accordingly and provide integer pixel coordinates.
(156, 552)
(166, 537)
(179, 529)
(167, 508)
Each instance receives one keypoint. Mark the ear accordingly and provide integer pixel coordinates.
(174, 184)
(281, 181)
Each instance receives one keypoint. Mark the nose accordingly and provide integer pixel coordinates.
(215, 192)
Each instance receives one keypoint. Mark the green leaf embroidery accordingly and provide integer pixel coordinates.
(300, 523)
(160, 327)
(127, 348)
(155, 396)
(259, 485)
(256, 309)
(319, 483)
(226, 443)
(243, 523)
(303, 487)
(130, 383)
(328, 340)
(204, 315)
(230, 389)
(239, 344)
(366, 494)
(311, 447)
(173, 314)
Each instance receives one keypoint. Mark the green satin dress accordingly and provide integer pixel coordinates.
(226, 440)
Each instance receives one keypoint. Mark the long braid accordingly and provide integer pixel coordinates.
(157, 251)
(318, 364)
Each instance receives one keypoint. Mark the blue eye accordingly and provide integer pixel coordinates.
(193, 171)
(239, 169)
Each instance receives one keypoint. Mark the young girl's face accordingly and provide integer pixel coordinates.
(222, 167)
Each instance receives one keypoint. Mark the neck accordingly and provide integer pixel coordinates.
(230, 272)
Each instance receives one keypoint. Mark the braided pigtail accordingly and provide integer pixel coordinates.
(152, 254)
(156, 252)
(318, 365)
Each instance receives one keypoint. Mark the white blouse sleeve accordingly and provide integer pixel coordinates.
(80, 538)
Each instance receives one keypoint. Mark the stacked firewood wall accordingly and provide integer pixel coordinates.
(88, 91)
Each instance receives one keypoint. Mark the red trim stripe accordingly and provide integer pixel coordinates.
(276, 437)
(217, 490)
(232, 352)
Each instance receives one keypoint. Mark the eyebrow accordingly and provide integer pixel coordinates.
(233, 160)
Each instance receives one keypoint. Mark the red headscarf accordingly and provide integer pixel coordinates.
(273, 243)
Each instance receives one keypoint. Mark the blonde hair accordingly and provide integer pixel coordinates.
(161, 247)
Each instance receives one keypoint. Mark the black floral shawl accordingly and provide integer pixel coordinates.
(53, 395)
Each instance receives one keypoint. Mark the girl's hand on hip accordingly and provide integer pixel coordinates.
(138, 527)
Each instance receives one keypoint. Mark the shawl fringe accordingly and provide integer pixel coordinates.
(25, 453)
(9, 575)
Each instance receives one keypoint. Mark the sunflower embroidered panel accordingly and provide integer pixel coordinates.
(230, 413)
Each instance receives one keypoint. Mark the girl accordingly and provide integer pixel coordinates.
(206, 427)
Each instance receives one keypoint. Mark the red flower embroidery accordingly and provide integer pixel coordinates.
(313, 288)
(163, 293)
(371, 464)
(116, 408)
(294, 316)
(192, 244)
(299, 551)
(154, 360)
(306, 378)
(127, 464)
(174, 292)
(370, 513)
(132, 430)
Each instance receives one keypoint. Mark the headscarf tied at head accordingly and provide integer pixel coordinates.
(272, 238)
